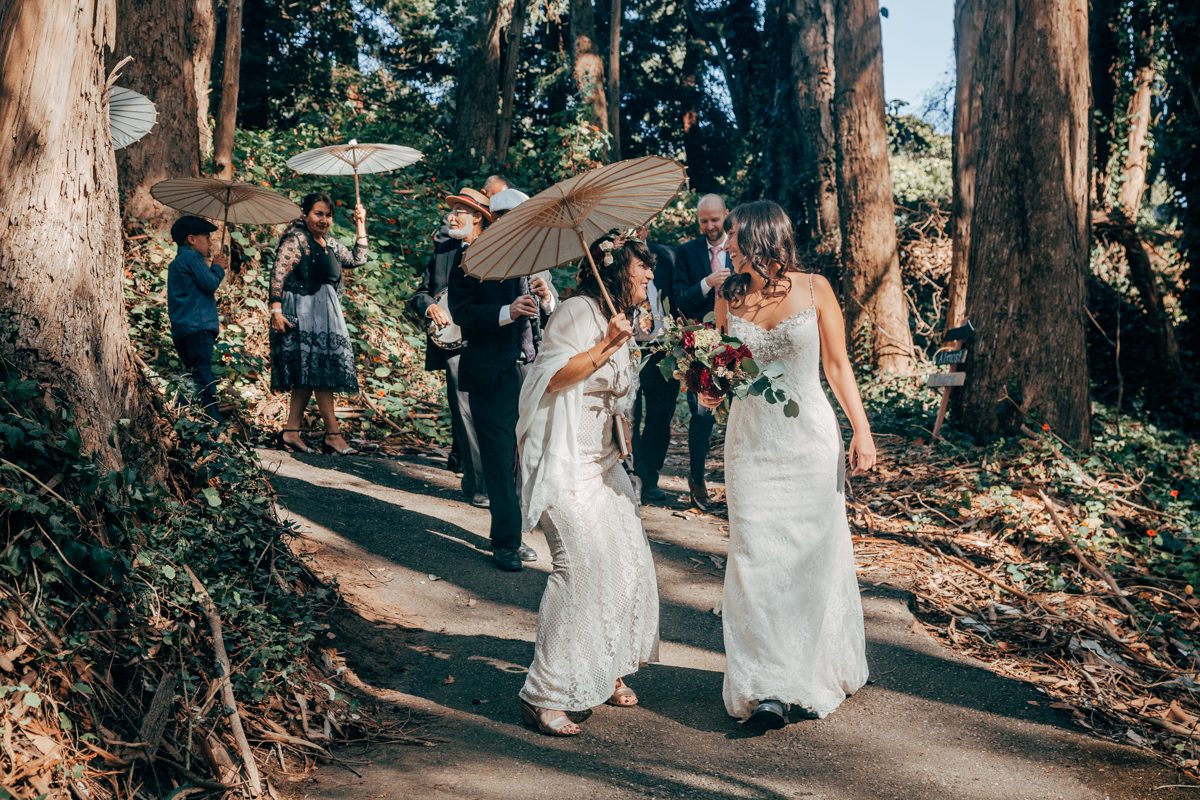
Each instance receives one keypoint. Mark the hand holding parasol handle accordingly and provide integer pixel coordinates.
(595, 271)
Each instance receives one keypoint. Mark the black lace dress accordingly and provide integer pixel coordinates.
(307, 281)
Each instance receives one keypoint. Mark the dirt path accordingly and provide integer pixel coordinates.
(929, 725)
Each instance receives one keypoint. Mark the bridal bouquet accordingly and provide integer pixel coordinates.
(717, 365)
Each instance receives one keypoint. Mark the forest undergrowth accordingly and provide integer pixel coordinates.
(121, 590)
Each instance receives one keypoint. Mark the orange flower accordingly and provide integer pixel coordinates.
(1151, 533)
(1045, 426)
(1174, 493)
(339, 202)
(379, 392)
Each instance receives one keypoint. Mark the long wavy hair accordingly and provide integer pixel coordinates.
(616, 276)
(764, 235)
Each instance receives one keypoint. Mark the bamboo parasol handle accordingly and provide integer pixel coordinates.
(595, 271)
(357, 199)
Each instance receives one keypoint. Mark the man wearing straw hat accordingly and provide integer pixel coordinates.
(495, 317)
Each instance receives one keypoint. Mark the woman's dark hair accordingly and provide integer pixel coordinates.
(764, 236)
(310, 200)
(616, 276)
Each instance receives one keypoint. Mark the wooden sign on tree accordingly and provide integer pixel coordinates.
(953, 355)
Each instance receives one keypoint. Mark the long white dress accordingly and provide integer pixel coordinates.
(598, 619)
(791, 613)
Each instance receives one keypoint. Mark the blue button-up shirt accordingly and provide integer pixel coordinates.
(191, 289)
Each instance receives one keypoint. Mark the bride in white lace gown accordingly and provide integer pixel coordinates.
(791, 613)
(598, 619)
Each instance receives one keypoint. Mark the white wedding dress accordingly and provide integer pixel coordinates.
(791, 613)
(598, 619)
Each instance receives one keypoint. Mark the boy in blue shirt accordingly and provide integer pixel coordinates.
(192, 305)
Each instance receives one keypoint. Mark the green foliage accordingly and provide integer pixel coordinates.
(919, 157)
(104, 551)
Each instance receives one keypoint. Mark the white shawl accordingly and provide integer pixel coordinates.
(549, 422)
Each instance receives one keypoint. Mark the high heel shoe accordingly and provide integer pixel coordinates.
(286, 445)
(532, 717)
(330, 450)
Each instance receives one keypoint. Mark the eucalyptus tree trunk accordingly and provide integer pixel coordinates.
(478, 86)
(60, 252)
(967, 20)
(589, 66)
(810, 24)
(874, 294)
(1029, 227)
(614, 80)
(1137, 152)
(516, 29)
(171, 42)
(230, 79)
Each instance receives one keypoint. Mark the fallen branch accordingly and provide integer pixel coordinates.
(1088, 565)
(235, 719)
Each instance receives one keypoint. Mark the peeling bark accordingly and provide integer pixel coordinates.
(589, 66)
(60, 232)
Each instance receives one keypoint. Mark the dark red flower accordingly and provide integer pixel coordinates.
(744, 352)
(725, 357)
(689, 341)
(699, 379)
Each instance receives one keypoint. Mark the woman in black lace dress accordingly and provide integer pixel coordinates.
(310, 346)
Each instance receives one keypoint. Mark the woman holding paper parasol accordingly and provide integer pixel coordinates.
(598, 619)
(311, 352)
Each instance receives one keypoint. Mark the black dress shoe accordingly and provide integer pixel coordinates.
(480, 500)
(507, 559)
(652, 494)
(527, 553)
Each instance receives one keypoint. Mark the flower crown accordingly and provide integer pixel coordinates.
(619, 238)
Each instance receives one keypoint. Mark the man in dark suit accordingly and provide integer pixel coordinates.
(656, 394)
(495, 317)
(464, 453)
(701, 266)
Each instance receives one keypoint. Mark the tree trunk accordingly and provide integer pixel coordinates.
(230, 77)
(478, 85)
(1137, 151)
(171, 42)
(967, 20)
(1103, 49)
(516, 29)
(60, 240)
(811, 25)
(614, 80)
(589, 67)
(1029, 228)
(874, 293)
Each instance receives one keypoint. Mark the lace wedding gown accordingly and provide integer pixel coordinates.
(598, 619)
(791, 613)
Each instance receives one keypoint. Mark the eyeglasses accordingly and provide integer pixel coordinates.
(460, 211)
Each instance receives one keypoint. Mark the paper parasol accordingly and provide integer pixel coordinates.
(130, 116)
(228, 201)
(555, 226)
(345, 159)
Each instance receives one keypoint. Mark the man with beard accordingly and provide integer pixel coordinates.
(495, 318)
(464, 453)
(701, 266)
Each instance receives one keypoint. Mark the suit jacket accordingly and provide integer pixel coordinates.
(489, 346)
(447, 253)
(692, 266)
(664, 270)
